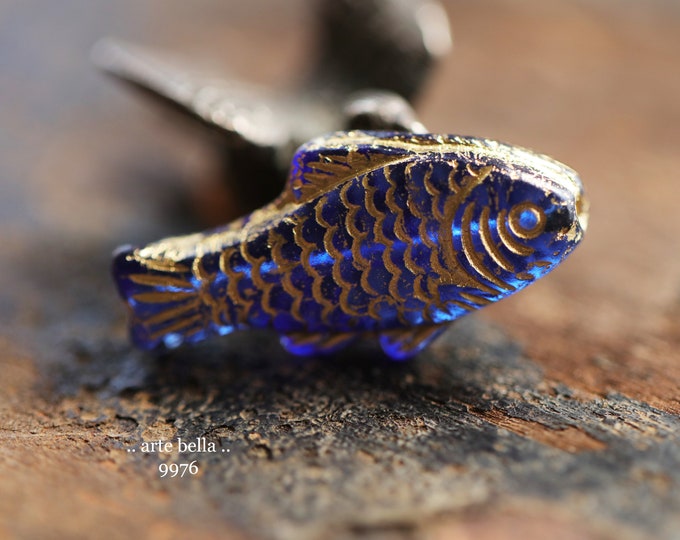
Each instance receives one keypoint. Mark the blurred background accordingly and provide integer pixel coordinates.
(86, 165)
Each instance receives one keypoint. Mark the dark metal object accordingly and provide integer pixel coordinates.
(388, 44)
(371, 53)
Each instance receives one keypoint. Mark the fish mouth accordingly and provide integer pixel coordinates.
(582, 211)
(579, 219)
(569, 179)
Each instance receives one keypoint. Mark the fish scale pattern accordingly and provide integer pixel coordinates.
(352, 259)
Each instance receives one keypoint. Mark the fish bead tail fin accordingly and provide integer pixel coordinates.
(165, 306)
(403, 344)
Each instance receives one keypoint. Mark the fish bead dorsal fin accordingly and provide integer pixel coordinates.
(325, 162)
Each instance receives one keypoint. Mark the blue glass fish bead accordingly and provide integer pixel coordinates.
(390, 234)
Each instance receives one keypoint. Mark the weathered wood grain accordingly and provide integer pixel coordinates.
(554, 414)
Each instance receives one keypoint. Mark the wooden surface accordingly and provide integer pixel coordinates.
(551, 415)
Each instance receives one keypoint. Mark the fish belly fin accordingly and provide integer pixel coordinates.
(302, 344)
(403, 343)
(165, 306)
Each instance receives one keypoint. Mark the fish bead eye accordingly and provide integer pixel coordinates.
(526, 220)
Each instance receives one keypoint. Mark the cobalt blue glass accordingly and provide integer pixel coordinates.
(388, 234)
